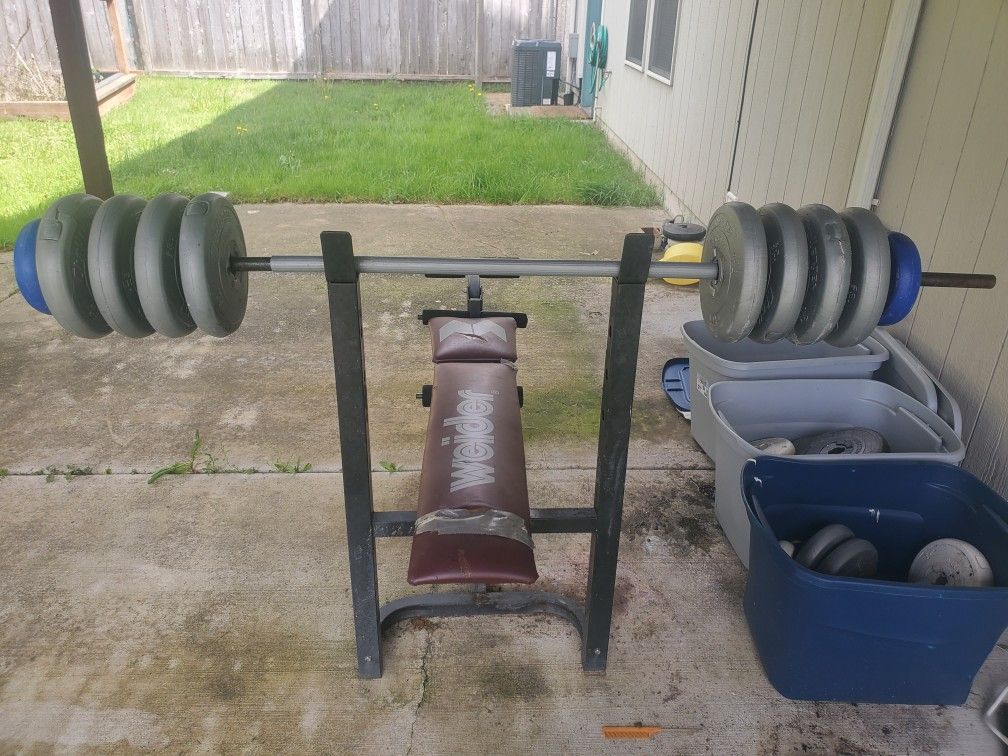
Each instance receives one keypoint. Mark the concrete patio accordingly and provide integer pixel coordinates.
(212, 613)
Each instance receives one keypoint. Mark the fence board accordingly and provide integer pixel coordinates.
(340, 38)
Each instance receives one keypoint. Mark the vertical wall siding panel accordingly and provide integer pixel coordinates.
(745, 118)
(703, 92)
(986, 400)
(783, 61)
(726, 113)
(683, 116)
(794, 94)
(808, 112)
(966, 227)
(855, 103)
(944, 183)
(760, 68)
(969, 45)
(720, 166)
(967, 213)
(917, 102)
(831, 106)
(977, 345)
(717, 98)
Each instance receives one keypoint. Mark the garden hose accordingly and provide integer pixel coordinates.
(598, 55)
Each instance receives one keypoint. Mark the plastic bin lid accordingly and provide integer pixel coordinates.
(676, 382)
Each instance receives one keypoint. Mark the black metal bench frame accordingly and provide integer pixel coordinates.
(603, 520)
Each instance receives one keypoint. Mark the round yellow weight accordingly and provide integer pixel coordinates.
(683, 252)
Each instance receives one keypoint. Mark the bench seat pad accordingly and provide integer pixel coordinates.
(474, 458)
(473, 339)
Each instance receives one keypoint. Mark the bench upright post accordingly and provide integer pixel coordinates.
(625, 311)
(355, 450)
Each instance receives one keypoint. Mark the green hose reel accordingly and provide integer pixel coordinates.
(598, 55)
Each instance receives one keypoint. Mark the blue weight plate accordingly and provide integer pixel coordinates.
(25, 272)
(904, 278)
(676, 382)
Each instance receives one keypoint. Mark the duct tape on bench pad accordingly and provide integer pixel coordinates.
(475, 521)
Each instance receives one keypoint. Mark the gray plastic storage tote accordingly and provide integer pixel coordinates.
(746, 411)
(712, 361)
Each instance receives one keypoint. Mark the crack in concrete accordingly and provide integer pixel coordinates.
(424, 685)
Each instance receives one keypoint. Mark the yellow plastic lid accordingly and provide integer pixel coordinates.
(683, 252)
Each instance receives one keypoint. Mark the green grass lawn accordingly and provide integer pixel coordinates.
(346, 142)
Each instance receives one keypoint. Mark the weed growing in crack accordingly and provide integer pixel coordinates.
(292, 467)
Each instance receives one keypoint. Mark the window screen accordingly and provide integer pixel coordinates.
(635, 35)
(663, 33)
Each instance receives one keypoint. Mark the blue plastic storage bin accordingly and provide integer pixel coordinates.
(826, 638)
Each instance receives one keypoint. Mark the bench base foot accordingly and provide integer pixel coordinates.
(472, 603)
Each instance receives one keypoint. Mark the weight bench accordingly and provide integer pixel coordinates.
(473, 523)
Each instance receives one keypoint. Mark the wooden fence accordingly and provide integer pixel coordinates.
(424, 39)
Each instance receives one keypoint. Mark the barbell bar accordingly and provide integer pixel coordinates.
(483, 266)
(190, 268)
(475, 266)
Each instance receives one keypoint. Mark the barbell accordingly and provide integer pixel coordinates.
(173, 265)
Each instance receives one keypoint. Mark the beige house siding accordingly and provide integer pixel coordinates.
(682, 133)
(943, 184)
(800, 122)
(810, 76)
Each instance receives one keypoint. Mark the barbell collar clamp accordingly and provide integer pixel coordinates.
(483, 266)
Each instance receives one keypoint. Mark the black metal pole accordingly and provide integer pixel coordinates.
(959, 280)
(625, 310)
(82, 102)
(355, 445)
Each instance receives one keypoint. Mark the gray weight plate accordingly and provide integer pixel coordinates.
(156, 257)
(110, 261)
(828, 277)
(210, 236)
(777, 446)
(853, 558)
(847, 441)
(736, 241)
(823, 541)
(61, 258)
(869, 278)
(949, 561)
(787, 273)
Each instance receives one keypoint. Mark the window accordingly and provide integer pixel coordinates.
(635, 34)
(663, 35)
